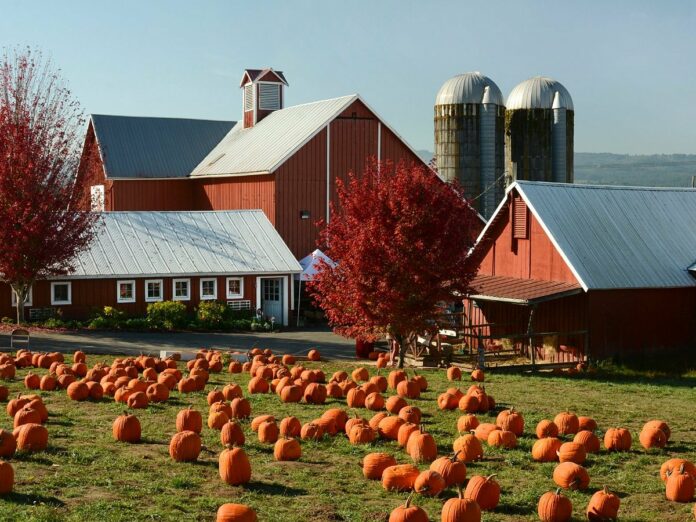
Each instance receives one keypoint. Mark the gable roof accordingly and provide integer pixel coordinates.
(617, 237)
(258, 74)
(165, 244)
(134, 147)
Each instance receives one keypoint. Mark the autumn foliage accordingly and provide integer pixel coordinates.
(42, 226)
(400, 242)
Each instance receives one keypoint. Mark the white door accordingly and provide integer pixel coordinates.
(272, 299)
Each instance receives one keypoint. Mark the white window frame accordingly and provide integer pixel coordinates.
(239, 295)
(97, 198)
(187, 297)
(149, 299)
(29, 300)
(212, 297)
(54, 301)
(120, 282)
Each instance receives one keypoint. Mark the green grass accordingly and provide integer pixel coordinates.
(85, 475)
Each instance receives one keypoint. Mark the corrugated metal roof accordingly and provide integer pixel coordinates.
(141, 244)
(265, 146)
(619, 237)
(468, 88)
(539, 93)
(143, 147)
(521, 291)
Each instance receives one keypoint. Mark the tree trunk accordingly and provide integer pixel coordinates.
(402, 349)
(21, 291)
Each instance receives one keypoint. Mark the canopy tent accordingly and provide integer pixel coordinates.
(310, 266)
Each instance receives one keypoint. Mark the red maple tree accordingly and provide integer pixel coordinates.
(43, 224)
(400, 241)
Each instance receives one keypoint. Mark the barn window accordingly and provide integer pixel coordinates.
(304, 214)
(208, 289)
(153, 290)
(97, 198)
(249, 97)
(125, 291)
(61, 293)
(181, 290)
(269, 96)
(235, 288)
(520, 225)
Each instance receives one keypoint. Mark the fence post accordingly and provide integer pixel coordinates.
(481, 353)
(530, 335)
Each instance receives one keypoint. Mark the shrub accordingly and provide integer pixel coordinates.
(136, 323)
(98, 323)
(243, 325)
(108, 317)
(166, 315)
(7, 320)
(210, 314)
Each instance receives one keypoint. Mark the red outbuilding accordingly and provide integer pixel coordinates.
(595, 270)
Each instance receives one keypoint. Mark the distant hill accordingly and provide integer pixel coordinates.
(604, 168)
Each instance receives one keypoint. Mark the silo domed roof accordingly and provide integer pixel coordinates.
(539, 93)
(468, 88)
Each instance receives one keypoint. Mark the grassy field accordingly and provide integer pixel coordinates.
(85, 475)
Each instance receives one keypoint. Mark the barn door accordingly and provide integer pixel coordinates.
(272, 298)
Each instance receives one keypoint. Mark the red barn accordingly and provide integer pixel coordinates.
(605, 269)
(283, 161)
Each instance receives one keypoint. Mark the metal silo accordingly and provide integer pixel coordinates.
(539, 132)
(470, 139)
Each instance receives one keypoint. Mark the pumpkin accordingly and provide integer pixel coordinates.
(291, 393)
(287, 449)
(31, 437)
(546, 449)
(235, 513)
(674, 464)
(235, 367)
(461, 509)
(185, 446)
(405, 431)
(360, 374)
(38, 405)
(126, 428)
(27, 415)
(156, 392)
(374, 401)
(288, 360)
(231, 433)
(48, 383)
(454, 373)
(388, 427)
(268, 432)
(652, 437)
(314, 355)
(361, 434)
(660, 425)
(679, 486)
(395, 404)
(400, 477)
(8, 444)
(290, 427)
(339, 416)
(232, 391)
(467, 423)
(477, 375)
(468, 448)
(484, 490)
(452, 470)
(567, 422)
(410, 414)
(327, 424)
(32, 381)
(429, 483)
(468, 403)
(408, 513)
(421, 447)
(483, 430)
(511, 420)
(78, 391)
(214, 396)
(257, 421)
(258, 385)
(546, 428)
(234, 466)
(315, 393)
(374, 464)
(241, 409)
(617, 439)
(447, 401)
(554, 507)
(355, 398)
(586, 423)
(354, 422)
(572, 452)
(395, 377)
(217, 419)
(376, 419)
(502, 439)
(311, 431)
(603, 506)
(189, 420)
(589, 440)
(7, 478)
(408, 389)
(569, 475)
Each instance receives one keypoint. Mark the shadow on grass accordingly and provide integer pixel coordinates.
(516, 509)
(23, 498)
(274, 489)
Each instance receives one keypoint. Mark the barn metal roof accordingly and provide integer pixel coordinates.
(469, 88)
(265, 146)
(150, 244)
(618, 237)
(143, 147)
(539, 93)
(519, 291)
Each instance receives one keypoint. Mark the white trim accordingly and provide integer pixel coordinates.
(210, 297)
(120, 299)
(187, 297)
(28, 301)
(240, 295)
(292, 293)
(53, 295)
(178, 275)
(328, 172)
(149, 299)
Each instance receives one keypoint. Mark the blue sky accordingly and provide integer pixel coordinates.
(630, 66)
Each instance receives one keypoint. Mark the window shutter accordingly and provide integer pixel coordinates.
(519, 218)
(269, 96)
(248, 97)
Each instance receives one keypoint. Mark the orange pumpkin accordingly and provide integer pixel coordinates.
(468, 448)
(554, 507)
(467, 423)
(461, 509)
(603, 506)
(652, 437)
(232, 434)
(572, 452)
(374, 464)
(7, 478)
(287, 449)
(589, 440)
(679, 486)
(569, 475)
(511, 420)
(617, 439)
(502, 439)
(484, 490)
(408, 513)
(401, 477)
(235, 513)
(567, 422)
(185, 446)
(421, 447)
(452, 470)
(546, 449)
(546, 428)
(234, 466)
(429, 483)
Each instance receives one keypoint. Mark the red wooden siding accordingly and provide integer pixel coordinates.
(301, 185)
(248, 119)
(532, 258)
(91, 169)
(232, 193)
(396, 150)
(144, 194)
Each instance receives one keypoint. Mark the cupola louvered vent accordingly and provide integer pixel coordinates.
(249, 97)
(520, 225)
(269, 96)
